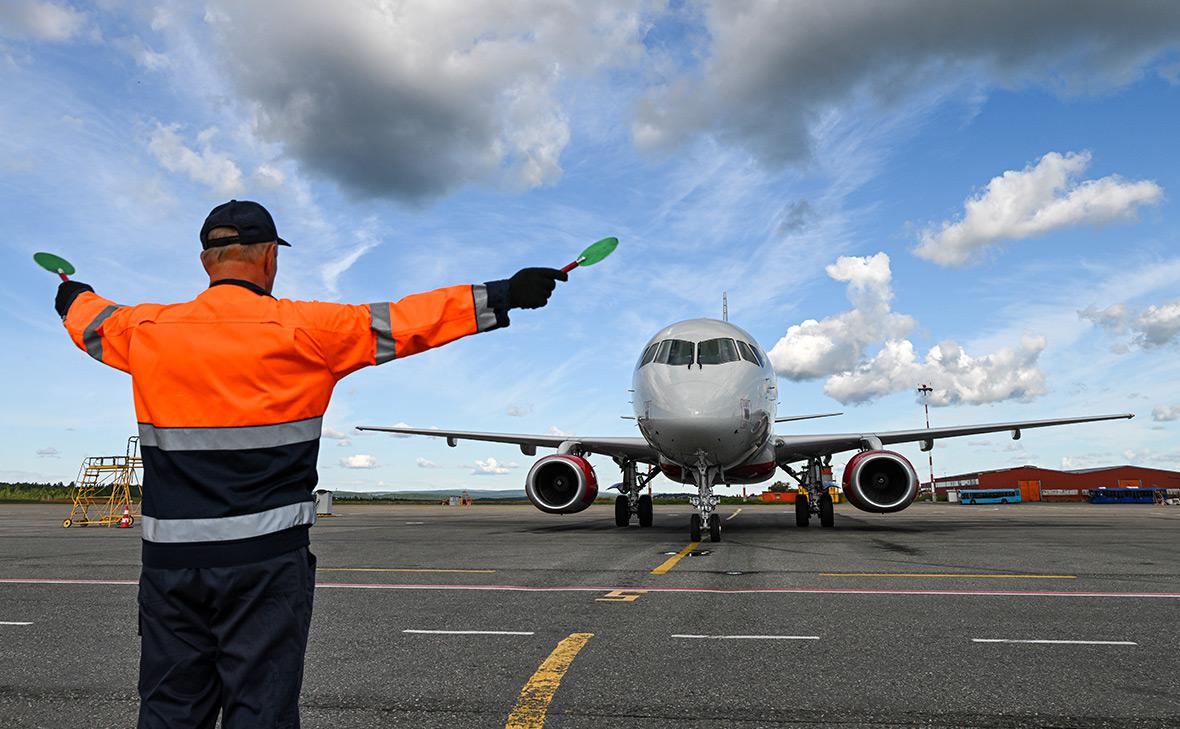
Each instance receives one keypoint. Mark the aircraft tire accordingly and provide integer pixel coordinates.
(827, 516)
(622, 511)
(694, 528)
(802, 511)
(645, 511)
(715, 527)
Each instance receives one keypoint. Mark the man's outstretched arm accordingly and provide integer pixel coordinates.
(355, 336)
(96, 325)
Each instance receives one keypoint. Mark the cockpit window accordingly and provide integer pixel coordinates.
(716, 351)
(649, 355)
(674, 352)
(749, 353)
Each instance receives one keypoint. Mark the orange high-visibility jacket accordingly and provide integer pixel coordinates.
(230, 391)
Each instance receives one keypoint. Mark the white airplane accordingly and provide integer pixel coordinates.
(705, 400)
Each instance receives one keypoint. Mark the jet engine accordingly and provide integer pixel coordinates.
(880, 481)
(561, 484)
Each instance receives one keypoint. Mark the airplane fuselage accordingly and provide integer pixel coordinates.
(706, 394)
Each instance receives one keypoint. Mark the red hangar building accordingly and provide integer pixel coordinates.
(1047, 484)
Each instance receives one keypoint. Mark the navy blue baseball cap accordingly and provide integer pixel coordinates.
(251, 220)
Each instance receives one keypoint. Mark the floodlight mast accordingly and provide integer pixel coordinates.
(925, 390)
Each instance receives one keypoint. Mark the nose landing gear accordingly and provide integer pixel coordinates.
(705, 502)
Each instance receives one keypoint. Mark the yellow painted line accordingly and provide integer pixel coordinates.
(621, 596)
(671, 561)
(948, 574)
(533, 703)
(398, 569)
(733, 514)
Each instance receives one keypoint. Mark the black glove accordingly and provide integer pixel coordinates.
(530, 288)
(66, 293)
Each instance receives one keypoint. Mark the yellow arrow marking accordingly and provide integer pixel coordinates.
(620, 596)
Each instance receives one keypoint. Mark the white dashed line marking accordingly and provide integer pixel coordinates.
(1054, 642)
(747, 637)
(469, 632)
(733, 514)
(12, 622)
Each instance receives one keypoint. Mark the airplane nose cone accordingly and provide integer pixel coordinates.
(692, 413)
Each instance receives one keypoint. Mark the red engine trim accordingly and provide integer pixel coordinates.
(587, 485)
(854, 493)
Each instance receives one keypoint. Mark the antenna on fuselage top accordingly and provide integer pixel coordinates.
(724, 306)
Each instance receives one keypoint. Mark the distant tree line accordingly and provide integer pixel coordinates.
(27, 491)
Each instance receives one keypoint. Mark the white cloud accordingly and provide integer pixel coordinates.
(818, 348)
(1153, 326)
(416, 98)
(332, 433)
(359, 460)
(39, 20)
(838, 347)
(345, 443)
(269, 176)
(492, 467)
(392, 435)
(1034, 201)
(49, 452)
(142, 54)
(209, 167)
(1165, 413)
(333, 270)
(956, 376)
(1131, 455)
(519, 411)
(424, 463)
(767, 75)
(554, 430)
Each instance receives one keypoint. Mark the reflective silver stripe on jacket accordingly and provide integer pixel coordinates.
(90, 335)
(379, 313)
(485, 317)
(228, 527)
(230, 439)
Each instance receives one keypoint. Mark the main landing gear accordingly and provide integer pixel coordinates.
(814, 497)
(632, 500)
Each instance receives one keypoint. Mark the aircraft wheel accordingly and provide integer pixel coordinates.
(802, 510)
(645, 511)
(622, 511)
(715, 527)
(66, 524)
(827, 516)
(694, 528)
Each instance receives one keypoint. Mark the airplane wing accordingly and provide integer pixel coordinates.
(636, 449)
(790, 448)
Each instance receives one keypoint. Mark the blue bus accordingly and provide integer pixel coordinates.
(989, 496)
(1126, 496)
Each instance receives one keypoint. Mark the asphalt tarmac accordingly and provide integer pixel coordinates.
(1059, 615)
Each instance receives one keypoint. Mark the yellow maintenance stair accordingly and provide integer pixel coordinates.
(107, 488)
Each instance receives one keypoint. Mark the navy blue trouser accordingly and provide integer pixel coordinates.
(225, 639)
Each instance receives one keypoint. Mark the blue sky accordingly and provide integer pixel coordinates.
(835, 172)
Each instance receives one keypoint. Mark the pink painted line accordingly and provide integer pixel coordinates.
(663, 588)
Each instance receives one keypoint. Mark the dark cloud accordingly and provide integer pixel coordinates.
(413, 99)
(795, 216)
(774, 68)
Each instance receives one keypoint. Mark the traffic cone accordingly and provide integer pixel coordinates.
(125, 521)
